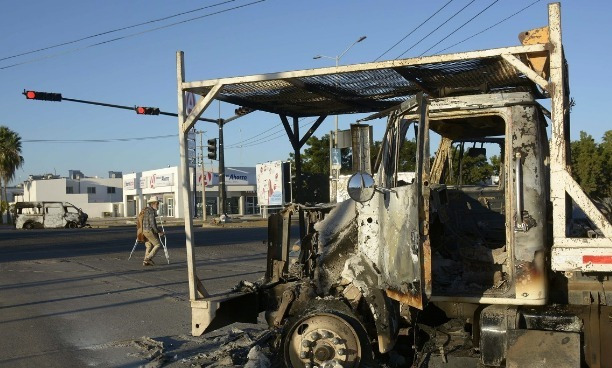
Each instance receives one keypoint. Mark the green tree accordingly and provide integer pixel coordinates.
(496, 163)
(588, 163)
(10, 160)
(606, 158)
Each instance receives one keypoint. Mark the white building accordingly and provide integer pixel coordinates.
(98, 197)
(241, 197)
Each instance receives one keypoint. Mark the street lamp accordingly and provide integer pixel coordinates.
(335, 141)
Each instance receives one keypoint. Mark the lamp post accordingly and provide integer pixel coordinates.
(335, 175)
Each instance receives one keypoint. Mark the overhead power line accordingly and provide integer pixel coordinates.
(435, 29)
(411, 32)
(458, 28)
(107, 140)
(280, 133)
(114, 30)
(488, 28)
(131, 35)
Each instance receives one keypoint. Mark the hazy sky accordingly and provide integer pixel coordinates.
(137, 66)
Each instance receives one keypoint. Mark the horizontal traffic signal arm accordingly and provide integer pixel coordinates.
(51, 96)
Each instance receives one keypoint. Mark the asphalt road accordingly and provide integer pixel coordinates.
(71, 298)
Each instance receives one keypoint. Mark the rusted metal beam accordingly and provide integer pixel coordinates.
(292, 138)
(329, 93)
(526, 49)
(312, 129)
(199, 108)
(529, 73)
(412, 79)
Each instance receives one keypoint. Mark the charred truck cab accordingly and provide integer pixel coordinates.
(470, 270)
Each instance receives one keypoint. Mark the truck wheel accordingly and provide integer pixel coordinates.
(72, 225)
(28, 225)
(326, 339)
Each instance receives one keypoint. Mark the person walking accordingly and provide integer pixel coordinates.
(150, 231)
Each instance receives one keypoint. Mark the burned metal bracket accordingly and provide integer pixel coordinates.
(287, 299)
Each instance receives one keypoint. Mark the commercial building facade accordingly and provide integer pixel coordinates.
(241, 198)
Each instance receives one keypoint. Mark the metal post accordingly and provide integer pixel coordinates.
(558, 149)
(195, 197)
(203, 176)
(221, 122)
(332, 180)
(298, 176)
(184, 166)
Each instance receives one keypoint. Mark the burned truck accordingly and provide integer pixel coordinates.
(441, 267)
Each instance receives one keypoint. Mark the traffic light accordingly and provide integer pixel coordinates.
(44, 96)
(243, 110)
(143, 110)
(212, 149)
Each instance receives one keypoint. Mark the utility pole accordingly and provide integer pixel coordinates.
(203, 178)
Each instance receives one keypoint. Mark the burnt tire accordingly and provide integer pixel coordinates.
(72, 225)
(326, 336)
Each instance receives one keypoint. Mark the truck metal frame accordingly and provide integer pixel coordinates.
(536, 68)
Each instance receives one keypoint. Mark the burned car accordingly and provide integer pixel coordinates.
(48, 215)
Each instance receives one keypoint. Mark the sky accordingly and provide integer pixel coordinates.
(137, 66)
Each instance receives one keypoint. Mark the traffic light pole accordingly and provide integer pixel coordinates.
(223, 205)
(203, 178)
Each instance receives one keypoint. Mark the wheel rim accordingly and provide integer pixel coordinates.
(323, 340)
(72, 225)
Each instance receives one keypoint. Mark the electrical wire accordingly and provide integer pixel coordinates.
(115, 30)
(458, 28)
(488, 28)
(107, 140)
(131, 35)
(411, 32)
(279, 134)
(437, 28)
(276, 127)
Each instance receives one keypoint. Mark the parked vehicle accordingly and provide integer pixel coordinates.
(48, 215)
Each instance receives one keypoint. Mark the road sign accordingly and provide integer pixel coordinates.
(189, 102)
(336, 158)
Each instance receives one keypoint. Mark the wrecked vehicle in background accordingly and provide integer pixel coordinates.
(441, 267)
(48, 215)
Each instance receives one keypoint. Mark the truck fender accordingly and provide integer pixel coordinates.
(362, 274)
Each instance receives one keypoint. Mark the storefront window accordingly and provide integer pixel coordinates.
(211, 206)
(251, 206)
(231, 205)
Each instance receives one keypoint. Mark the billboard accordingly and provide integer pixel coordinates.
(233, 176)
(270, 183)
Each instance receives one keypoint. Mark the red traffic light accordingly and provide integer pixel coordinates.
(142, 110)
(44, 96)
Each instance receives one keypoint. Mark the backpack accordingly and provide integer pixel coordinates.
(139, 235)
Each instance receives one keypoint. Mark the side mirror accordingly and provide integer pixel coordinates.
(361, 187)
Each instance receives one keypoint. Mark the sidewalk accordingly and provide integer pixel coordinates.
(235, 222)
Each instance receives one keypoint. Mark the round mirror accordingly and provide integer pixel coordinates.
(361, 187)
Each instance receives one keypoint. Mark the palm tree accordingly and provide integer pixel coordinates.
(10, 160)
